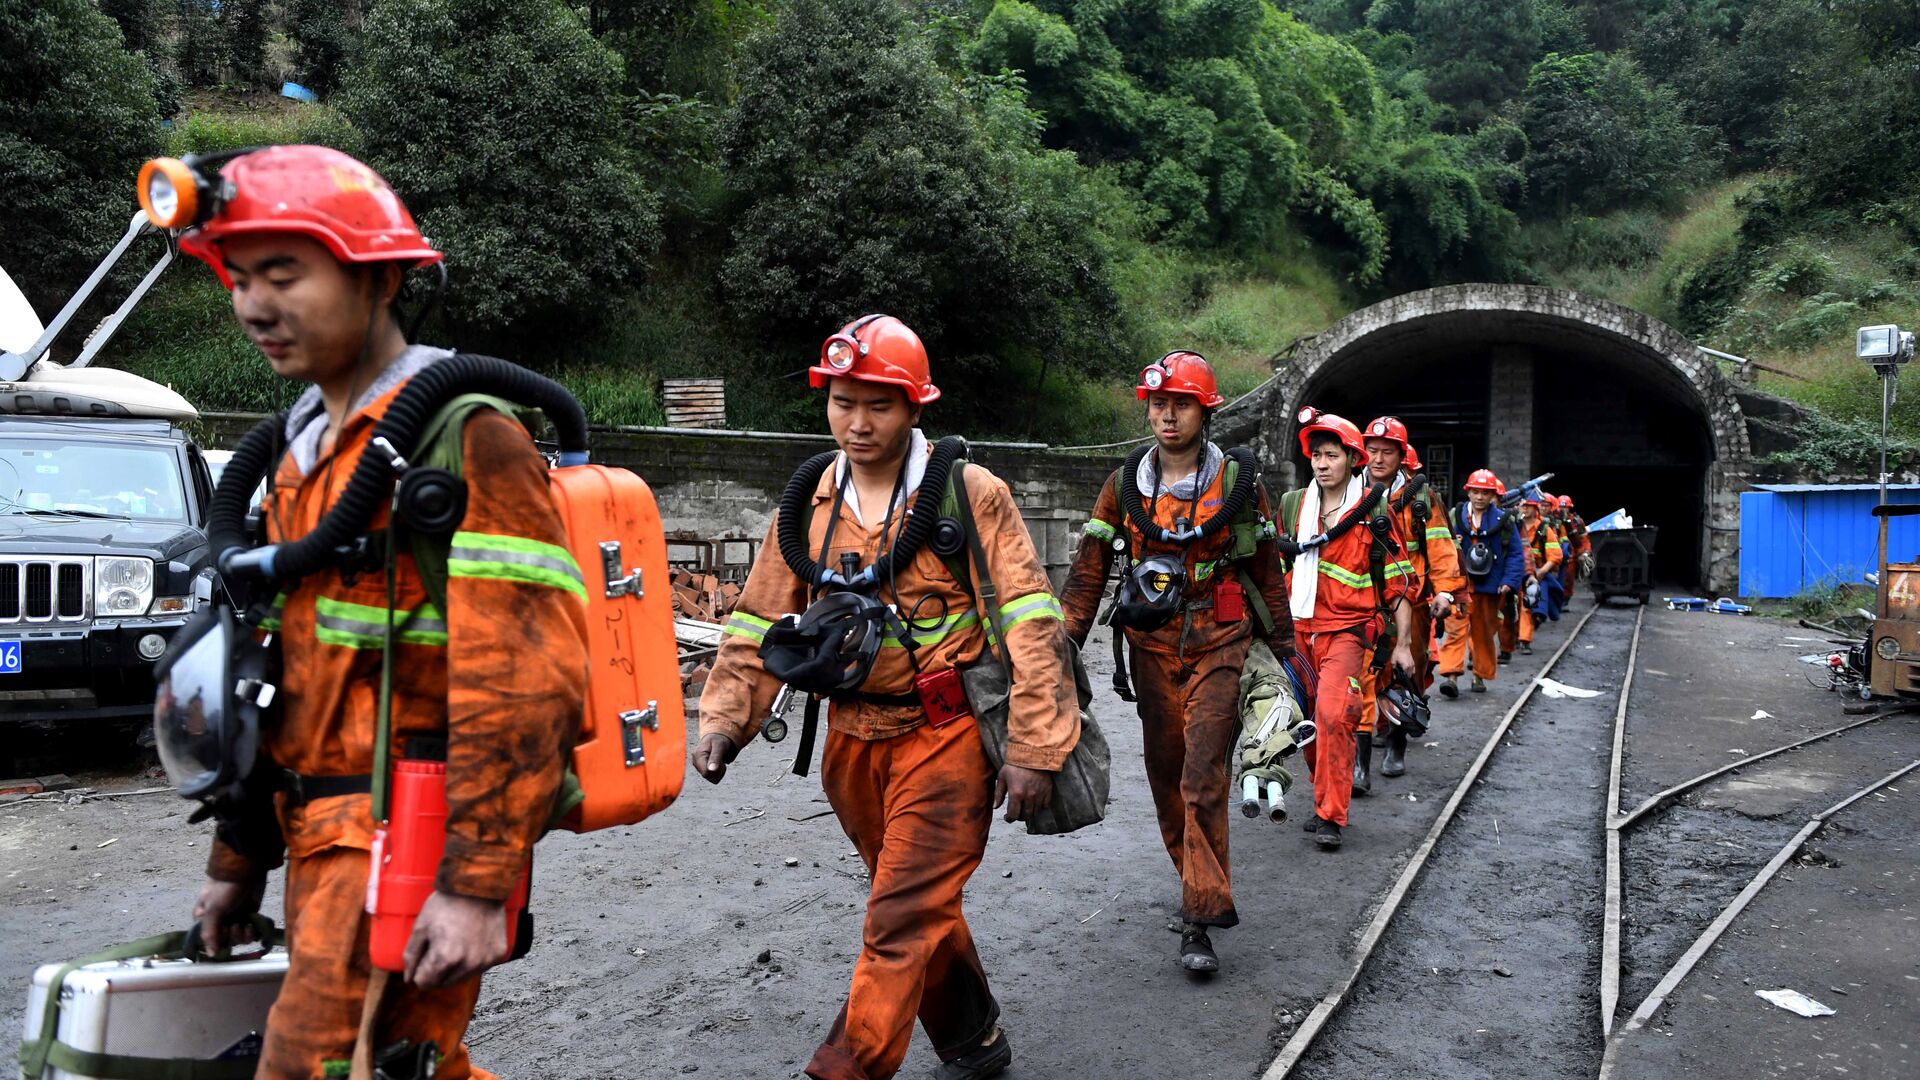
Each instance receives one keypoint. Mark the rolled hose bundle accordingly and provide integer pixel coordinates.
(919, 527)
(373, 477)
(1142, 518)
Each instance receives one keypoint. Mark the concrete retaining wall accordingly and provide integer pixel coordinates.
(720, 484)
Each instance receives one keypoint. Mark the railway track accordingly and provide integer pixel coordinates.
(1559, 1020)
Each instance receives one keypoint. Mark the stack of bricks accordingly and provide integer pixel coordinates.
(701, 598)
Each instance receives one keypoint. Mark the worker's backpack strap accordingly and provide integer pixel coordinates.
(1246, 533)
(442, 445)
(45, 1051)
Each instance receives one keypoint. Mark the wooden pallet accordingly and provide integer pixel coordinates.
(700, 403)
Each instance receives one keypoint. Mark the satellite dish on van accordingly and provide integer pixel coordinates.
(19, 326)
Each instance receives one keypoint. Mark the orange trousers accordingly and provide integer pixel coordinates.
(1515, 627)
(1189, 726)
(1474, 627)
(1339, 659)
(1421, 644)
(317, 1016)
(917, 807)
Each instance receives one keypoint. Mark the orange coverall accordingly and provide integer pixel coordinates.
(499, 676)
(914, 799)
(1186, 676)
(1437, 563)
(1339, 640)
(1543, 558)
(1478, 622)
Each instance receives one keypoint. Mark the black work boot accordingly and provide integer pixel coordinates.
(1196, 950)
(1526, 648)
(990, 1059)
(1327, 835)
(1449, 688)
(1362, 763)
(1395, 763)
(1506, 658)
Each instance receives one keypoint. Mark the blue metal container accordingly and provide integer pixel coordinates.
(1795, 537)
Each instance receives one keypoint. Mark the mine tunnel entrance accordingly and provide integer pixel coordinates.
(1525, 393)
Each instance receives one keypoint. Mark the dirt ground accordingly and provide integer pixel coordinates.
(689, 944)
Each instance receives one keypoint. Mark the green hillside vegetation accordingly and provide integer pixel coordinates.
(1052, 191)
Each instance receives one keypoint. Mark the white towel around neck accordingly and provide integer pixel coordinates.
(917, 451)
(1303, 591)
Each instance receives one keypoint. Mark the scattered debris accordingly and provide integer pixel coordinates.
(1554, 688)
(107, 843)
(1503, 972)
(1795, 1002)
(790, 861)
(809, 817)
(757, 813)
(1761, 714)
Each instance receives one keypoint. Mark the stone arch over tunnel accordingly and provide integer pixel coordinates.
(1622, 408)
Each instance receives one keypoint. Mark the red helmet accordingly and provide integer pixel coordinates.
(1484, 480)
(877, 349)
(314, 191)
(1312, 421)
(1180, 372)
(1566, 502)
(1391, 429)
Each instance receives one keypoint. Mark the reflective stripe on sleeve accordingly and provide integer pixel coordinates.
(1040, 605)
(515, 558)
(751, 627)
(1099, 530)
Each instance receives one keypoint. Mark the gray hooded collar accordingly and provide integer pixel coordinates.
(307, 420)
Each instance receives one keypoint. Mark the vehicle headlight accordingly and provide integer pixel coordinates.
(1887, 647)
(122, 586)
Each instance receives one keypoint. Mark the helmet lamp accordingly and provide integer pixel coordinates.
(169, 193)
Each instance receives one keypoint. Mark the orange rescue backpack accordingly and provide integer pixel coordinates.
(630, 759)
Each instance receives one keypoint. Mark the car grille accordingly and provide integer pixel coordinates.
(45, 590)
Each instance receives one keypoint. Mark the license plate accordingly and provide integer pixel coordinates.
(9, 658)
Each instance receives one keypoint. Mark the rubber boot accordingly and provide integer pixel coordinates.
(1449, 688)
(1363, 763)
(1395, 763)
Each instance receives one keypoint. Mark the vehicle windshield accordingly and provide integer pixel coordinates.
(90, 479)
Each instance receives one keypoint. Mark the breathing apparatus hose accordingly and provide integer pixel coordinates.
(1291, 547)
(919, 527)
(373, 477)
(227, 513)
(1141, 516)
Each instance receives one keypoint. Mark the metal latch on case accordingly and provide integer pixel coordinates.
(619, 583)
(631, 722)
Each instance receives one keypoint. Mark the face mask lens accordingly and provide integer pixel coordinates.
(190, 713)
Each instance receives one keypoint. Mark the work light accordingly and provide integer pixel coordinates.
(1883, 344)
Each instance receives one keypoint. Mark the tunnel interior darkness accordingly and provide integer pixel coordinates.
(1616, 424)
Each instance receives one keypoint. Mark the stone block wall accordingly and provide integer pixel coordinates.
(721, 484)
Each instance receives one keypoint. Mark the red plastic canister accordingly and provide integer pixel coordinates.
(406, 860)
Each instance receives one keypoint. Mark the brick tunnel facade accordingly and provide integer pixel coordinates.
(1623, 409)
